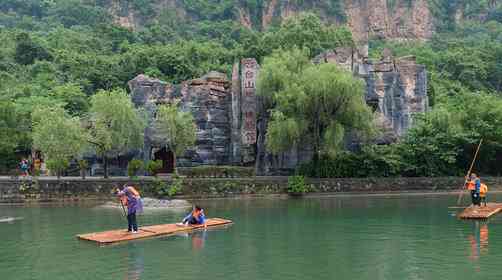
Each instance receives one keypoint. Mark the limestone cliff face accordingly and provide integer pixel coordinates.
(224, 112)
(367, 19)
(375, 19)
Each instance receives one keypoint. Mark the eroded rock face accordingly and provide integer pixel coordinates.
(375, 19)
(224, 112)
(232, 121)
(209, 100)
(396, 87)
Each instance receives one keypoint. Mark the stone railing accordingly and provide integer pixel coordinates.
(75, 189)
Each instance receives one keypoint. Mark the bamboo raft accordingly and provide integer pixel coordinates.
(482, 212)
(121, 235)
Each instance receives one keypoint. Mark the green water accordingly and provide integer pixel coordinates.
(349, 237)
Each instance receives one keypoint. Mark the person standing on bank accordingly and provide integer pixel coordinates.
(130, 197)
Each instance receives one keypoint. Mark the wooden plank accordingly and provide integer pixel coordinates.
(483, 212)
(121, 235)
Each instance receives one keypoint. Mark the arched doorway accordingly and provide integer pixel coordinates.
(167, 158)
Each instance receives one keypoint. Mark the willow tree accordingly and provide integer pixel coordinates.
(176, 129)
(311, 104)
(116, 126)
(58, 136)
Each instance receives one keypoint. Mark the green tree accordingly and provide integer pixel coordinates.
(75, 100)
(433, 146)
(116, 127)
(27, 50)
(58, 136)
(315, 104)
(176, 129)
(307, 31)
(11, 133)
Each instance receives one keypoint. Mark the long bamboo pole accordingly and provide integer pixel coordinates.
(459, 200)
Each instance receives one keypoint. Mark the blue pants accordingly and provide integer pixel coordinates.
(131, 222)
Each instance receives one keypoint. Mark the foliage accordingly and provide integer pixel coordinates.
(58, 136)
(297, 185)
(27, 51)
(206, 171)
(176, 186)
(153, 166)
(176, 128)
(83, 164)
(306, 31)
(133, 167)
(161, 188)
(314, 104)
(116, 127)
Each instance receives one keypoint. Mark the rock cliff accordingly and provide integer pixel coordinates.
(367, 19)
(231, 120)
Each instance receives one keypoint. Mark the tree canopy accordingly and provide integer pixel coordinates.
(59, 137)
(116, 127)
(314, 104)
(176, 128)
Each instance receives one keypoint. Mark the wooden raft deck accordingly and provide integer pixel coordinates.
(481, 212)
(120, 235)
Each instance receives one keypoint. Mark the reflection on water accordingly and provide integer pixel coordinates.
(478, 240)
(198, 239)
(349, 237)
(135, 263)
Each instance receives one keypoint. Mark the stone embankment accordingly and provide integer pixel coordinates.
(49, 189)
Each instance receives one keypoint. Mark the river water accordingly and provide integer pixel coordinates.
(343, 237)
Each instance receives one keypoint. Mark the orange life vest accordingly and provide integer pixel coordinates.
(483, 190)
(470, 185)
(134, 191)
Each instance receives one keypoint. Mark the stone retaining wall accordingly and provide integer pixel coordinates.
(75, 189)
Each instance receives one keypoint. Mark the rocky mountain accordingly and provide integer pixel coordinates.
(367, 19)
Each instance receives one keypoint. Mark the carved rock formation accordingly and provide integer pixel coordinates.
(224, 114)
(396, 88)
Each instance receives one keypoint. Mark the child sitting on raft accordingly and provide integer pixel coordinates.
(130, 197)
(196, 217)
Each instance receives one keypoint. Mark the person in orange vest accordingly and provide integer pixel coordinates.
(483, 190)
(471, 186)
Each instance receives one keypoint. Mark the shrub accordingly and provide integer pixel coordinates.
(296, 185)
(161, 188)
(83, 165)
(153, 166)
(176, 186)
(217, 171)
(133, 167)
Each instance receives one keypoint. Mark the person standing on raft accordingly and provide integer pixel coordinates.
(474, 185)
(196, 217)
(483, 189)
(130, 197)
(470, 185)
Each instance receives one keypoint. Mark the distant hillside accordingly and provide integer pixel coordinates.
(367, 19)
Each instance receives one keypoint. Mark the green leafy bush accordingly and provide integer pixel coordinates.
(153, 166)
(162, 189)
(208, 171)
(133, 167)
(296, 185)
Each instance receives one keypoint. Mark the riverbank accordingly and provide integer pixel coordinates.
(50, 189)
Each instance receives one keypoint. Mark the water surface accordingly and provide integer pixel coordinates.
(345, 237)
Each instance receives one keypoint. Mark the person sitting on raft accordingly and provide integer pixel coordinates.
(196, 217)
(130, 197)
